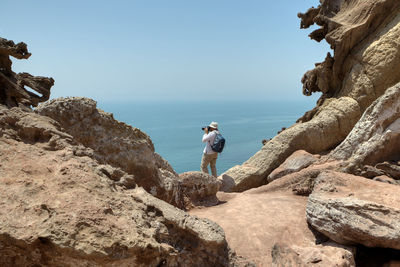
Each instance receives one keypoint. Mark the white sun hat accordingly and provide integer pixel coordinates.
(214, 125)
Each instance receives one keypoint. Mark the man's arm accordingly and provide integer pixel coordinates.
(207, 137)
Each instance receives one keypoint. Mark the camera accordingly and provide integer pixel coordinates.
(206, 127)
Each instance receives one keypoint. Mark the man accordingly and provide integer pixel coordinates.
(209, 156)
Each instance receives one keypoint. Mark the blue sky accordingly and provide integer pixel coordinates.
(165, 50)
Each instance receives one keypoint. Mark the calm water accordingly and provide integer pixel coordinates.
(175, 128)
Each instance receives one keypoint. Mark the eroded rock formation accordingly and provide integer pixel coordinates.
(347, 26)
(365, 38)
(13, 90)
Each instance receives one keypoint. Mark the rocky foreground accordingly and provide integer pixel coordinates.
(82, 189)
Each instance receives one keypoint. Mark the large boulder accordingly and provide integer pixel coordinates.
(117, 144)
(365, 38)
(354, 210)
(63, 206)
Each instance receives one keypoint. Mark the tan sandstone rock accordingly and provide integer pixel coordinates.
(365, 37)
(354, 210)
(199, 189)
(297, 161)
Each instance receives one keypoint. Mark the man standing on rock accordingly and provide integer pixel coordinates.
(209, 156)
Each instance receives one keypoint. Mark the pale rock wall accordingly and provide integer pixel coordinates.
(376, 136)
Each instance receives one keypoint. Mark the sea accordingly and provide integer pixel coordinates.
(175, 127)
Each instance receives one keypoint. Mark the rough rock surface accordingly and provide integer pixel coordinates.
(365, 38)
(327, 254)
(354, 210)
(62, 207)
(117, 144)
(199, 189)
(376, 136)
(294, 163)
(12, 86)
(268, 226)
(368, 171)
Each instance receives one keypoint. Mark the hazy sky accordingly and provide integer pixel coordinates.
(165, 49)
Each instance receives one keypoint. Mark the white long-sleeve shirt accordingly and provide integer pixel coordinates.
(209, 139)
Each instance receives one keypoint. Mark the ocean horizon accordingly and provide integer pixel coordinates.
(175, 127)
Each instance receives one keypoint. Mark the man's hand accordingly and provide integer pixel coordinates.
(206, 130)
